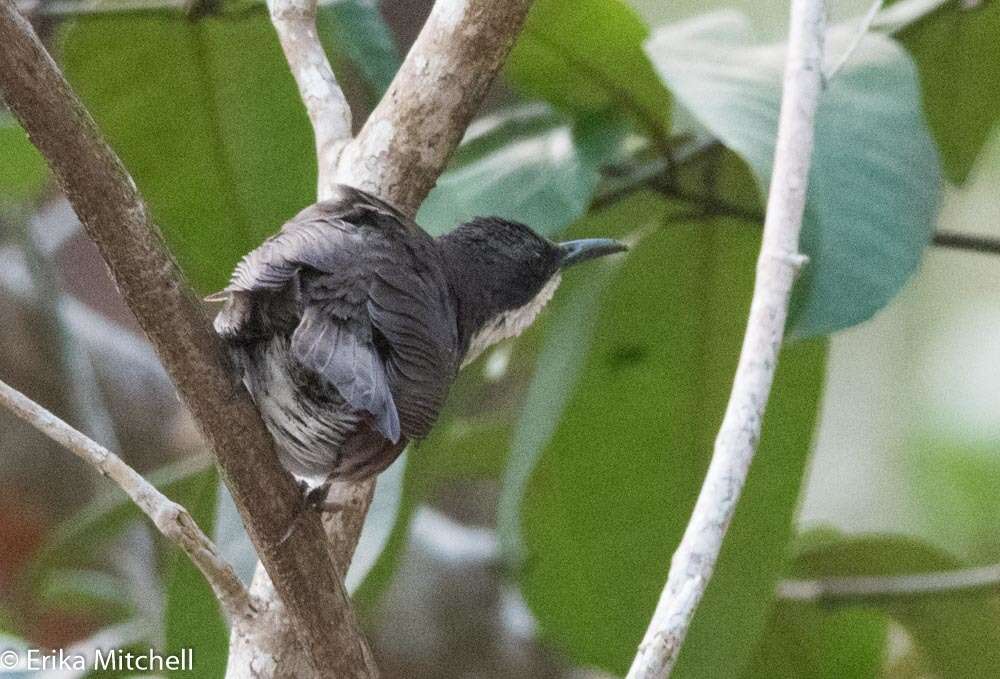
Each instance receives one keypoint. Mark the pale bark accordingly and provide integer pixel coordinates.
(779, 261)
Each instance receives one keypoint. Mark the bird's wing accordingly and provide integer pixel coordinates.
(343, 352)
(377, 320)
(412, 309)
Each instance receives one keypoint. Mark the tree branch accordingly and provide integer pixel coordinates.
(409, 137)
(171, 519)
(105, 198)
(779, 261)
(836, 590)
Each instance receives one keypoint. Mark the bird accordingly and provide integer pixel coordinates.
(349, 325)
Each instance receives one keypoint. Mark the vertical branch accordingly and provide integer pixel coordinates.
(779, 261)
(329, 113)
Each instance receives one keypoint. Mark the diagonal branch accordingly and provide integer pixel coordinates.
(107, 201)
(779, 261)
(173, 520)
(409, 137)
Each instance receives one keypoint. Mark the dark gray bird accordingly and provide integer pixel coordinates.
(350, 324)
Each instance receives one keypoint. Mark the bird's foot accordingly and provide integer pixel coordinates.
(313, 500)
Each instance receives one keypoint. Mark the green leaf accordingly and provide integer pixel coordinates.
(585, 57)
(804, 641)
(953, 492)
(958, 636)
(356, 28)
(873, 188)
(192, 618)
(958, 56)
(568, 329)
(613, 489)
(23, 170)
(527, 164)
(213, 131)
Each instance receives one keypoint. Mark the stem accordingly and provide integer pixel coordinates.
(778, 263)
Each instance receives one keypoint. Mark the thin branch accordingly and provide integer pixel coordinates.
(170, 518)
(107, 201)
(981, 579)
(777, 266)
(409, 137)
(963, 241)
(866, 24)
(653, 175)
(329, 112)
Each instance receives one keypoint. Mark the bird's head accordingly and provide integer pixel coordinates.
(502, 273)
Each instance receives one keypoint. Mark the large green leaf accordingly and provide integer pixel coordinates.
(804, 641)
(527, 164)
(613, 489)
(874, 183)
(585, 56)
(958, 637)
(957, 51)
(207, 118)
(568, 329)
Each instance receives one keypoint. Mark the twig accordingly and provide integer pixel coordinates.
(778, 264)
(170, 518)
(329, 112)
(107, 201)
(652, 175)
(880, 587)
(964, 241)
(866, 24)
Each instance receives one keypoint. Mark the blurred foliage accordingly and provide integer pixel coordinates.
(23, 170)
(597, 424)
(957, 51)
(217, 141)
(585, 56)
(953, 490)
(528, 164)
(612, 489)
(873, 153)
(955, 635)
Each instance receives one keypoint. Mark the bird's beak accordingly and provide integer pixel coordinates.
(576, 251)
